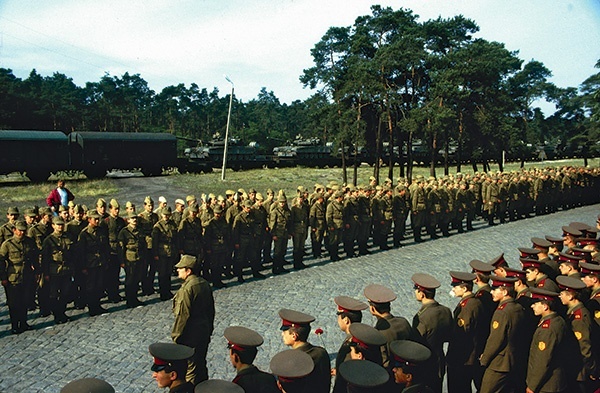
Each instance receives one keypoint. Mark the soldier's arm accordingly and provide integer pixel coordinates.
(497, 339)
(181, 309)
(541, 352)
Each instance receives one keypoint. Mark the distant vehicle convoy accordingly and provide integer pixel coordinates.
(38, 154)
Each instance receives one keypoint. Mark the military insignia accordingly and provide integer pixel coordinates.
(461, 322)
(597, 314)
(578, 335)
(541, 345)
(495, 325)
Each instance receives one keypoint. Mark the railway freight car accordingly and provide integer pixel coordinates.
(95, 153)
(34, 153)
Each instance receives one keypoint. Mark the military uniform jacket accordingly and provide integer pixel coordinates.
(164, 239)
(147, 222)
(132, 245)
(299, 218)
(471, 327)
(279, 221)
(319, 381)
(334, 215)
(186, 387)
(252, 380)
(189, 236)
(57, 255)
(585, 332)
(93, 245)
(6, 231)
(545, 370)
(217, 237)
(502, 349)
(114, 226)
(394, 328)
(17, 259)
(243, 231)
(546, 283)
(39, 232)
(316, 217)
(434, 323)
(194, 310)
(418, 201)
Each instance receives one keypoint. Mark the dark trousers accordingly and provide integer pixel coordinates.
(111, 278)
(460, 378)
(134, 272)
(197, 370)
(149, 273)
(17, 306)
(94, 288)
(60, 287)
(164, 268)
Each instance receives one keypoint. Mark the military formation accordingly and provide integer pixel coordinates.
(72, 253)
(527, 328)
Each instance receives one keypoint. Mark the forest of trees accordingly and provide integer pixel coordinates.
(387, 81)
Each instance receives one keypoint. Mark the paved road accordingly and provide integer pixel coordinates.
(114, 346)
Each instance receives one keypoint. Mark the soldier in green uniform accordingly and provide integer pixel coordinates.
(334, 217)
(147, 221)
(491, 199)
(401, 206)
(38, 233)
(243, 346)
(299, 229)
(189, 236)
(418, 209)
(548, 353)
(295, 328)
(318, 226)
(471, 327)
(585, 330)
(95, 251)
(58, 262)
(178, 212)
(279, 222)
(114, 224)
(268, 240)
(6, 230)
(364, 220)
(131, 251)
(73, 228)
(243, 236)
(503, 354)
(194, 311)
(434, 323)
(261, 230)
(18, 255)
(383, 216)
(365, 376)
(165, 251)
(217, 237)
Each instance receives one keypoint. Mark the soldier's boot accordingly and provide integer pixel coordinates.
(316, 249)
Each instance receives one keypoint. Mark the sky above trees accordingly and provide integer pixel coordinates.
(263, 42)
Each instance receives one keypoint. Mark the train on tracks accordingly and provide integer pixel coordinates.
(38, 154)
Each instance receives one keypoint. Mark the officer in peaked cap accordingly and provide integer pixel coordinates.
(218, 386)
(582, 253)
(409, 362)
(570, 234)
(569, 265)
(392, 327)
(293, 369)
(243, 343)
(527, 252)
(170, 366)
(471, 326)
(544, 245)
(349, 312)
(434, 322)
(482, 273)
(548, 353)
(366, 343)
(536, 274)
(503, 348)
(295, 326)
(364, 376)
(88, 385)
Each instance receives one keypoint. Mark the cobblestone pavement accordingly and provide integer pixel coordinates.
(114, 346)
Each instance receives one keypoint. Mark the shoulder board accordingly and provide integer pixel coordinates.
(577, 314)
(596, 296)
(464, 302)
(501, 307)
(541, 283)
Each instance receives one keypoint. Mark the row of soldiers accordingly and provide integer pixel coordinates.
(244, 229)
(519, 331)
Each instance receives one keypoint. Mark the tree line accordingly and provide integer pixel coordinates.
(388, 85)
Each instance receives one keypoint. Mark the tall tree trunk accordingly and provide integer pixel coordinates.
(377, 152)
(433, 149)
(459, 149)
(409, 164)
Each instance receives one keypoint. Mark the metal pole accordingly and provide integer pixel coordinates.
(227, 131)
